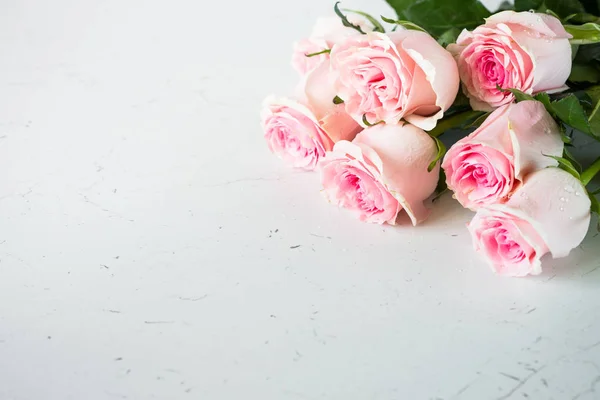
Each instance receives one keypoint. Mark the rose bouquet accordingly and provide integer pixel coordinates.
(521, 83)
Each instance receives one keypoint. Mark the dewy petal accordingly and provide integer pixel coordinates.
(405, 152)
(556, 205)
(545, 24)
(535, 136)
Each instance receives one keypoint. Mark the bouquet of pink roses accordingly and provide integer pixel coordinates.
(521, 84)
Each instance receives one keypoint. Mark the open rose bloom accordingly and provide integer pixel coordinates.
(550, 213)
(526, 51)
(293, 133)
(401, 75)
(381, 172)
(488, 165)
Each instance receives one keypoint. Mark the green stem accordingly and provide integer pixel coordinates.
(590, 172)
(318, 53)
(454, 121)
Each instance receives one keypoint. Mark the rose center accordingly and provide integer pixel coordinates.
(364, 199)
(507, 248)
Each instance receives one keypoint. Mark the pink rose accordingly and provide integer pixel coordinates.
(293, 133)
(549, 213)
(327, 32)
(525, 51)
(402, 75)
(300, 133)
(489, 164)
(382, 171)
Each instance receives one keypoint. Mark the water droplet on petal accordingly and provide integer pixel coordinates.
(570, 189)
(562, 209)
(577, 194)
(563, 199)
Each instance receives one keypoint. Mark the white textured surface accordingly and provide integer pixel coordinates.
(146, 234)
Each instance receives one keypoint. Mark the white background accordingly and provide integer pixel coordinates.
(146, 233)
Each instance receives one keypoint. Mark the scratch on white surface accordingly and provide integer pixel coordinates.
(521, 383)
(590, 271)
(591, 346)
(590, 390)
(464, 388)
(514, 378)
(115, 214)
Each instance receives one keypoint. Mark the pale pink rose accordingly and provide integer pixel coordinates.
(293, 133)
(401, 75)
(326, 32)
(525, 51)
(489, 164)
(549, 213)
(381, 172)
(300, 132)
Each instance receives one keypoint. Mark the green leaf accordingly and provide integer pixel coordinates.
(563, 134)
(457, 120)
(563, 8)
(591, 6)
(326, 51)
(406, 24)
(576, 164)
(441, 151)
(584, 34)
(437, 16)
(337, 100)
(477, 122)
(520, 96)
(590, 172)
(584, 73)
(593, 93)
(580, 18)
(570, 111)
(526, 5)
(377, 27)
(566, 165)
(441, 187)
(594, 120)
(344, 19)
(448, 37)
(544, 98)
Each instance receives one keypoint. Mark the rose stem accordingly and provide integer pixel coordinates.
(590, 172)
(454, 121)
